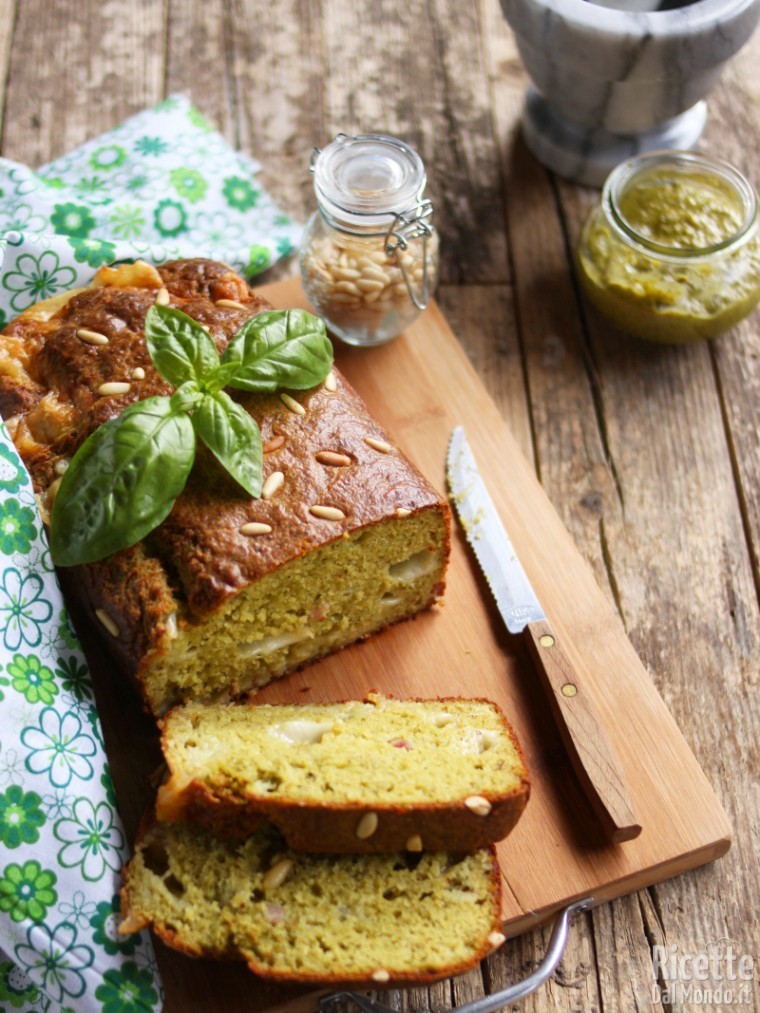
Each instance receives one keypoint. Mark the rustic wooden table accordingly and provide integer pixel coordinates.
(649, 454)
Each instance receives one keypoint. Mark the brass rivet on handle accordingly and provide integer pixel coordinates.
(547, 640)
(569, 689)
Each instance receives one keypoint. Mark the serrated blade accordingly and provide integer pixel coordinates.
(515, 598)
(588, 747)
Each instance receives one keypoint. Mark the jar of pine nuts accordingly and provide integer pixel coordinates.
(369, 255)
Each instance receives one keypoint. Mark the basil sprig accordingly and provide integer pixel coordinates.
(124, 479)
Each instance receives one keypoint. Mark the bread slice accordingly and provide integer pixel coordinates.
(358, 919)
(229, 592)
(378, 775)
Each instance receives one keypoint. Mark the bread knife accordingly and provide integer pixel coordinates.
(587, 746)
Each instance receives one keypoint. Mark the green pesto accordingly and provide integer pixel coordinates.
(685, 210)
(692, 292)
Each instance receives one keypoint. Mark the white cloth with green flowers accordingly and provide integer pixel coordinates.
(160, 186)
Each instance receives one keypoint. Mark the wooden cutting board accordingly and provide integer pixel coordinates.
(420, 386)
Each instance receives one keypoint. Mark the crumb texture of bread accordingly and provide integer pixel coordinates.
(313, 918)
(360, 776)
(229, 592)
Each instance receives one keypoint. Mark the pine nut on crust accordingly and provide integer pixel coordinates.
(326, 513)
(380, 445)
(292, 405)
(256, 528)
(367, 826)
(232, 304)
(107, 389)
(478, 805)
(272, 484)
(110, 624)
(91, 337)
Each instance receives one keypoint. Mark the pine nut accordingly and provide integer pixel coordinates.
(91, 337)
(108, 622)
(256, 528)
(414, 843)
(106, 389)
(347, 273)
(379, 445)
(162, 297)
(367, 261)
(381, 976)
(326, 513)
(349, 287)
(370, 285)
(294, 406)
(277, 874)
(232, 304)
(331, 382)
(272, 484)
(496, 939)
(375, 274)
(403, 512)
(478, 805)
(138, 373)
(367, 826)
(274, 444)
(331, 458)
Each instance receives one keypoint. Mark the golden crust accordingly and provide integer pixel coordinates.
(199, 559)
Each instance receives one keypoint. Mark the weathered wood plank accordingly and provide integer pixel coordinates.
(417, 72)
(78, 71)
(681, 432)
(7, 24)
(198, 60)
(736, 104)
(278, 73)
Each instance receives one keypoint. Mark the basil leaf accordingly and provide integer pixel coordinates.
(233, 437)
(186, 397)
(180, 348)
(122, 482)
(220, 377)
(280, 348)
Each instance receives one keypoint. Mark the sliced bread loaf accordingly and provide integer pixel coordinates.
(358, 919)
(371, 776)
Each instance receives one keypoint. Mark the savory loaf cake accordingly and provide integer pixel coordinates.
(372, 776)
(229, 591)
(359, 919)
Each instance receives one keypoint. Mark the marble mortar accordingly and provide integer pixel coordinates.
(610, 80)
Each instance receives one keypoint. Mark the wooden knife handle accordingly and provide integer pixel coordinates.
(587, 745)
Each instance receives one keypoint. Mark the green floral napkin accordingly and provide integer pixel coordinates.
(160, 186)
(61, 841)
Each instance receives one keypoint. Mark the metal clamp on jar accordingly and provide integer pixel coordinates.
(369, 255)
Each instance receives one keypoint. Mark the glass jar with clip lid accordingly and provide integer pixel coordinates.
(369, 255)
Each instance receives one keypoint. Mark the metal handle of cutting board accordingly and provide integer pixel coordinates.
(489, 1003)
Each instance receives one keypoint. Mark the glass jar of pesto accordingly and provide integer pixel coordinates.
(672, 251)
